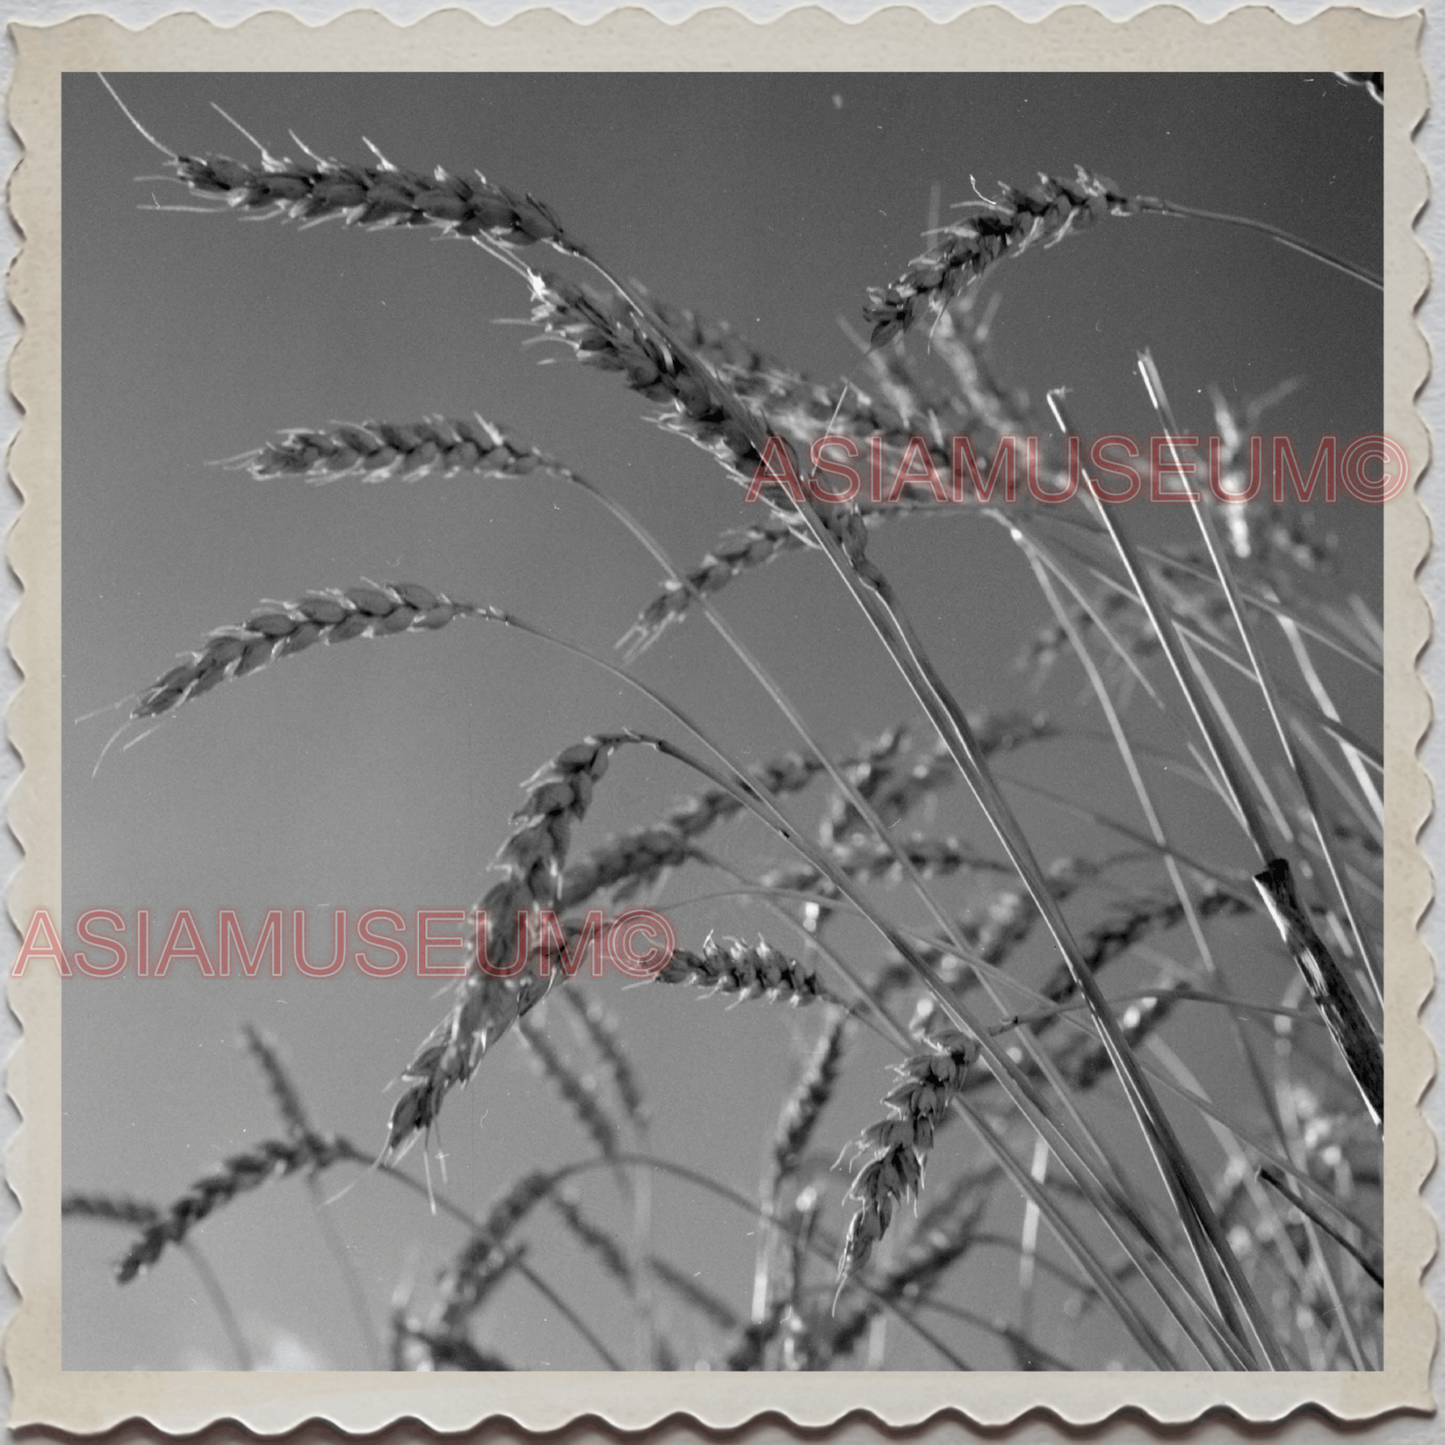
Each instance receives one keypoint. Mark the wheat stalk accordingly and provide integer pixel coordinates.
(711, 1306)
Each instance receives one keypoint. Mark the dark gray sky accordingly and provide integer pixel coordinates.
(382, 775)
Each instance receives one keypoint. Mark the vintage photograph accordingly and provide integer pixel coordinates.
(848, 831)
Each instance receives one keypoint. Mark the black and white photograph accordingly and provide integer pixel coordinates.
(848, 829)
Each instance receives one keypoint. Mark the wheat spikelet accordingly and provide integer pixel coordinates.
(273, 1159)
(1007, 226)
(899, 1145)
(377, 451)
(278, 629)
(486, 1005)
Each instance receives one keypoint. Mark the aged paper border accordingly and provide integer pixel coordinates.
(1077, 38)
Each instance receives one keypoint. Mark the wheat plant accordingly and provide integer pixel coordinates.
(1021, 859)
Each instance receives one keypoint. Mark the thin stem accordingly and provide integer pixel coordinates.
(1273, 1179)
(221, 1304)
(1285, 238)
(1210, 533)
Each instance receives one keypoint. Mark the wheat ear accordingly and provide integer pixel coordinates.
(1006, 226)
(1108, 940)
(742, 550)
(605, 1037)
(111, 1208)
(1047, 213)
(278, 629)
(316, 189)
(899, 1145)
(805, 1105)
(577, 1090)
(273, 1159)
(639, 857)
(746, 970)
(531, 864)
(377, 451)
(598, 1242)
(484, 1260)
